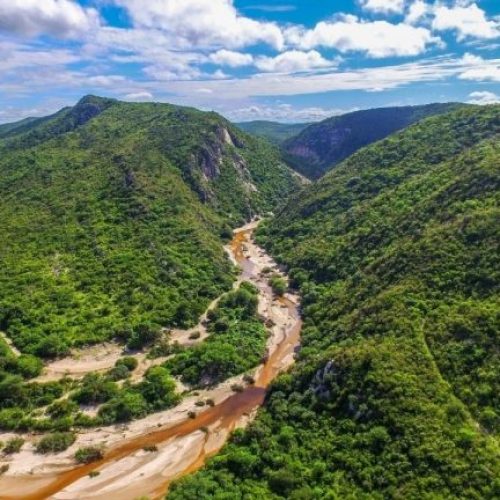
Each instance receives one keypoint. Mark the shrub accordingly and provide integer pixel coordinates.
(62, 408)
(248, 379)
(123, 407)
(88, 454)
(118, 372)
(55, 442)
(129, 362)
(13, 445)
(278, 285)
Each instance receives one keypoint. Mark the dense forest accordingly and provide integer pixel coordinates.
(321, 146)
(395, 391)
(112, 218)
(236, 344)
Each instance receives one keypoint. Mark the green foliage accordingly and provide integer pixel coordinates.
(88, 455)
(278, 284)
(236, 342)
(95, 389)
(112, 216)
(56, 442)
(395, 392)
(13, 445)
(128, 362)
(125, 406)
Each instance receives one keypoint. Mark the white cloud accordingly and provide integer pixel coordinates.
(202, 23)
(59, 18)
(384, 6)
(466, 20)
(139, 96)
(483, 97)
(479, 69)
(417, 11)
(376, 38)
(19, 56)
(230, 58)
(367, 79)
(490, 73)
(292, 61)
(283, 113)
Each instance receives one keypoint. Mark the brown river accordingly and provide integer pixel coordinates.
(183, 443)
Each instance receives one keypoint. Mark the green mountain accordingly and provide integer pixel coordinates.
(113, 216)
(396, 390)
(323, 145)
(275, 132)
(8, 128)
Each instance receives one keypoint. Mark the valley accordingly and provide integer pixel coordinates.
(182, 442)
(148, 346)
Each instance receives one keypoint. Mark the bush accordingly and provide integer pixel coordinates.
(29, 366)
(118, 372)
(56, 442)
(143, 335)
(62, 408)
(88, 454)
(278, 284)
(13, 445)
(129, 362)
(126, 406)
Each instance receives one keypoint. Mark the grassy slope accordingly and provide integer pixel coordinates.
(323, 145)
(395, 394)
(109, 221)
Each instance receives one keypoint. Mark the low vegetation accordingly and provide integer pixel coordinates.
(235, 344)
(88, 455)
(56, 442)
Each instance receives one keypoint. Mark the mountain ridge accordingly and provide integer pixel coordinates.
(321, 146)
(125, 204)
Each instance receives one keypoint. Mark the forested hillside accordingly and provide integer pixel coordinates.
(395, 393)
(274, 132)
(321, 146)
(112, 217)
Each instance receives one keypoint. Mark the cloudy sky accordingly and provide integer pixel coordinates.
(285, 60)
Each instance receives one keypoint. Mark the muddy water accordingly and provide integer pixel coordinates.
(221, 418)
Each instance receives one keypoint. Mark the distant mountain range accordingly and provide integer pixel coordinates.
(320, 146)
(274, 132)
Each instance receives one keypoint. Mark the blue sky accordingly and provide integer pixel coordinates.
(295, 60)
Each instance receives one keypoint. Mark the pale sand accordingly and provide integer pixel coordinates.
(142, 473)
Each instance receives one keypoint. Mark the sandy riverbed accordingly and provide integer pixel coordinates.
(127, 471)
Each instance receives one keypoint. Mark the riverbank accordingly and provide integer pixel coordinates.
(183, 442)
